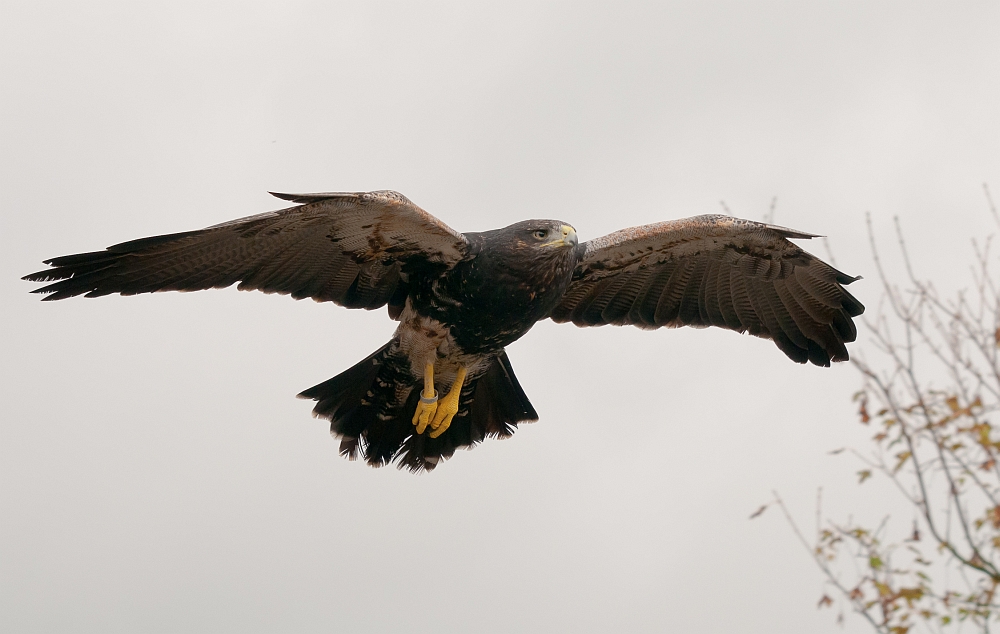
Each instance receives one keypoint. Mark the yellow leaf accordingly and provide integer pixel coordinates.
(864, 475)
(911, 594)
(902, 457)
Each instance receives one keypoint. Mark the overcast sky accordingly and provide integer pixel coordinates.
(157, 473)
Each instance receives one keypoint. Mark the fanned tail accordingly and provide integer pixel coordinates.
(370, 408)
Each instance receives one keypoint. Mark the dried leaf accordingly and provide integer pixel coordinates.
(911, 594)
(995, 517)
(824, 602)
(988, 465)
(759, 511)
(864, 475)
(856, 594)
(952, 402)
(984, 434)
(901, 458)
(836, 451)
(863, 410)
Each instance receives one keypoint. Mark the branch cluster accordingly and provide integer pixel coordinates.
(931, 389)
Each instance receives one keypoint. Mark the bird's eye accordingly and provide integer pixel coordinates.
(540, 234)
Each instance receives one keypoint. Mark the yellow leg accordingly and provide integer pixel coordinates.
(428, 403)
(449, 406)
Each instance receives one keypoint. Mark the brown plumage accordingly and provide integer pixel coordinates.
(462, 298)
(716, 271)
(344, 248)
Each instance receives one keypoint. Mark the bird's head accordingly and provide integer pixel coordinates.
(540, 235)
(535, 249)
(540, 250)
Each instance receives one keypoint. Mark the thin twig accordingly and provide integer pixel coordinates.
(831, 577)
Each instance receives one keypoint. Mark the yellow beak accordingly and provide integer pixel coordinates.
(568, 238)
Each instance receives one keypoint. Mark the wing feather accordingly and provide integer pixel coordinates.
(716, 271)
(618, 307)
(644, 308)
(708, 301)
(669, 302)
(348, 248)
(690, 311)
(724, 296)
(599, 299)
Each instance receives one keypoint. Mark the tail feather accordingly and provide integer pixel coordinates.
(337, 396)
(500, 403)
(370, 408)
(491, 407)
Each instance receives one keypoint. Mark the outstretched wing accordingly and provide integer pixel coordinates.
(346, 248)
(716, 271)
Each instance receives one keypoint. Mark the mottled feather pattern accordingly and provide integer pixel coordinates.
(715, 271)
(461, 299)
(346, 248)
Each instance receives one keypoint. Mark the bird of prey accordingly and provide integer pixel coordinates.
(444, 380)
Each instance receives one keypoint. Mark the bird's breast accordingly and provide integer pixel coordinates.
(424, 339)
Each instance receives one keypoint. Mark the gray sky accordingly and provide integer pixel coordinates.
(156, 473)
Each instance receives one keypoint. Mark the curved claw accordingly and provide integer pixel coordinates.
(442, 418)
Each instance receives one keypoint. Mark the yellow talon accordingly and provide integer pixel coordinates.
(428, 404)
(448, 406)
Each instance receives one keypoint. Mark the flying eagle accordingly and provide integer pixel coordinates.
(460, 299)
